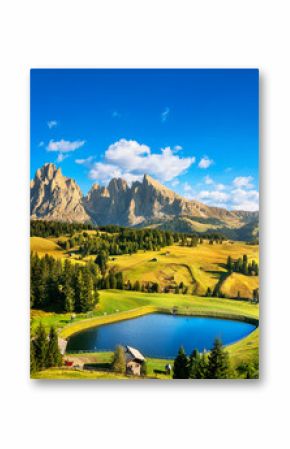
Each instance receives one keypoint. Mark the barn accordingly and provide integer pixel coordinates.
(134, 361)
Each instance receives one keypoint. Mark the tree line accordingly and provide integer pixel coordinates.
(44, 350)
(62, 286)
(214, 365)
(128, 241)
(243, 266)
(41, 228)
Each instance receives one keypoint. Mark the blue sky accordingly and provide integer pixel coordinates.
(196, 131)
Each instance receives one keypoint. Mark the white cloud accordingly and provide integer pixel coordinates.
(86, 162)
(177, 148)
(245, 199)
(64, 146)
(230, 198)
(52, 124)
(164, 114)
(130, 157)
(208, 180)
(187, 187)
(220, 186)
(243, 181)
(188, 191)
(213, 195)
(104, 172)
(61, 157)
(41, 144)
(175, 182)
(205, 162)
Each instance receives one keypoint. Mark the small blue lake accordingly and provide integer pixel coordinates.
(160, 335)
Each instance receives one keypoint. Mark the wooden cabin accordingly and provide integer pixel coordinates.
(62, 344)
(134, 361)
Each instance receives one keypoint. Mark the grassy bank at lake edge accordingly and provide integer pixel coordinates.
(146, 303)
(246, 350)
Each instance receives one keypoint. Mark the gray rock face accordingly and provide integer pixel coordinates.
(56, 197)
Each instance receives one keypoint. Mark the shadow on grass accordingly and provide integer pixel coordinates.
(98, 366)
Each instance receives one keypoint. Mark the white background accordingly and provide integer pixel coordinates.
(144, 34)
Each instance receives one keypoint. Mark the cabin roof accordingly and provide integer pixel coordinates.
(62, 345)
(135, 353)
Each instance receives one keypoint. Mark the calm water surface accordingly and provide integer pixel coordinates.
(160, 335)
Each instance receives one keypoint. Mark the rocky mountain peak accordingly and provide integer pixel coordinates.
(117, 184)
(56, 197)
(48, 171)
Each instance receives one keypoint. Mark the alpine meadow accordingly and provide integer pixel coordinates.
(144, 231)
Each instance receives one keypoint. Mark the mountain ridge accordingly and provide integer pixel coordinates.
(144, 203)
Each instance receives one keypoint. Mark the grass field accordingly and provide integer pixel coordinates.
(239, 283)
(246, 350)
(102, 361)
(199, 267)
(117, 304)
(46, 246)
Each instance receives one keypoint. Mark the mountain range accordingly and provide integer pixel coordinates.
(147, 203)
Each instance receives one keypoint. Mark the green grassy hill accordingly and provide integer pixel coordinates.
(237, 283)
(46, 246)
(198, 267)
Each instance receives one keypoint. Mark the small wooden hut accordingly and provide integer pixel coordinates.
(134, 361)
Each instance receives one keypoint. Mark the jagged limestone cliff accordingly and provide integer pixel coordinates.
(145, 203)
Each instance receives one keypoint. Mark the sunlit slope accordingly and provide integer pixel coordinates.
(237, 283)
(199, 267)
(45, 246)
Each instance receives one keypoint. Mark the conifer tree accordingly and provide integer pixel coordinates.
(208, 292)
(107, 283)
(144, 369)
(119, 276)
(218, 362)
(229, 263)
(180, 367)
(119, 361)
(88, 295)
(193, 364)
(112, 280)
(69, 299)
(53, 357)
(201, 368)
(33, 361)
(40, 347)
(137, 287)
(101, 261)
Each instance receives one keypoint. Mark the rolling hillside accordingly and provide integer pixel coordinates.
(198, 268)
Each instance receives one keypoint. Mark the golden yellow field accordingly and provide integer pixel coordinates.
(199, 267)
(45, 246)
(238, 283)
